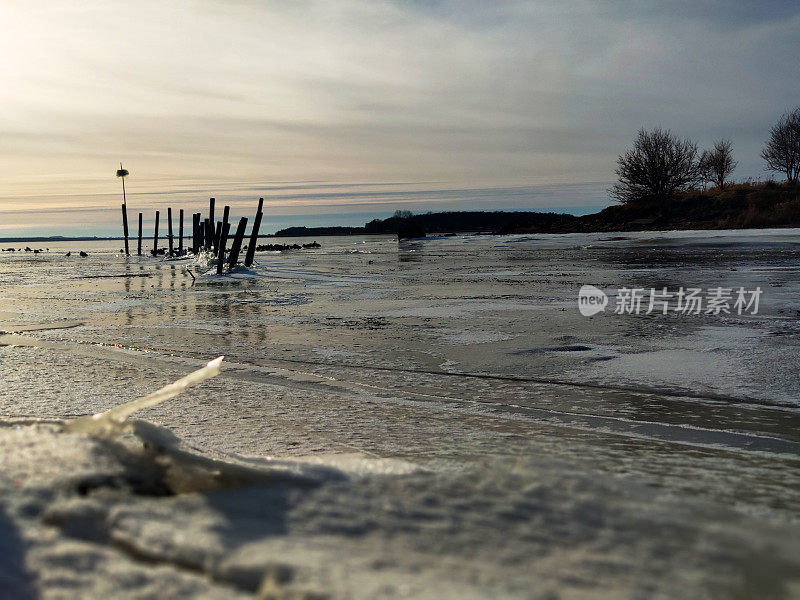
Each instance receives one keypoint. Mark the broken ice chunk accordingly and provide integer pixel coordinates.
(113, 422)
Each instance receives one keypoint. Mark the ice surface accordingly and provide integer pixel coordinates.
(398, 422)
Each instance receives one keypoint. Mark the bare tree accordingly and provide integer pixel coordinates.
(658, 165)
(782, 151)
(717, 164)
(704, 172)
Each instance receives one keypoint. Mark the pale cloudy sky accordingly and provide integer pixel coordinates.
(291, 99)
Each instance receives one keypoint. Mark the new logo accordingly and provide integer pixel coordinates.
(591, 300)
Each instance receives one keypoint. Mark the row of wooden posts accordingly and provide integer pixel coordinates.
(207, 235)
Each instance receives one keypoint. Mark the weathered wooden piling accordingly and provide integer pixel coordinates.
(169, 230)
(125, 227)
(180, 232)
(225, 214)
(211, 202)
(223, 239)
(195, 232)
(208, 234)
(139, 245)
(217, 235)
(200, 232)
(236, 247)
(155, 237)
(251, 248)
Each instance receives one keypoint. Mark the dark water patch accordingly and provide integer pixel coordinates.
(600, 358)
(567, 348)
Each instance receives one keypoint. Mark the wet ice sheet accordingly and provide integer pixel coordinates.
(429, 353)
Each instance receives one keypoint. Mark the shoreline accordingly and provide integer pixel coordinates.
(739, 206)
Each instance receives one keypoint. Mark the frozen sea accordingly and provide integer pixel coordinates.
(472, 434)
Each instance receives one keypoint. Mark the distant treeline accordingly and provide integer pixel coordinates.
(742, 205)
(312, 231)
(438, 223)
(475, 221)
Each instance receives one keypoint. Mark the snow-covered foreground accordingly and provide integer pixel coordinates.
(430, 420)
(85, 517)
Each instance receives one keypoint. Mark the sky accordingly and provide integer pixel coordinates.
(338, 109)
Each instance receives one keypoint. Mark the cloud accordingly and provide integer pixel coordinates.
(471, 93)
(719, 14)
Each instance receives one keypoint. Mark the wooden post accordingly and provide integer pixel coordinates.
(125, 227)
(223, 239)
(180, 232)
(217, 235)
(211, 211)
(155, 237)
(225, 214)
(195, 232)
(236, 247)
(169, 230)
(200, 231)
(208, 234)
(251, 249)
(139, 245)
